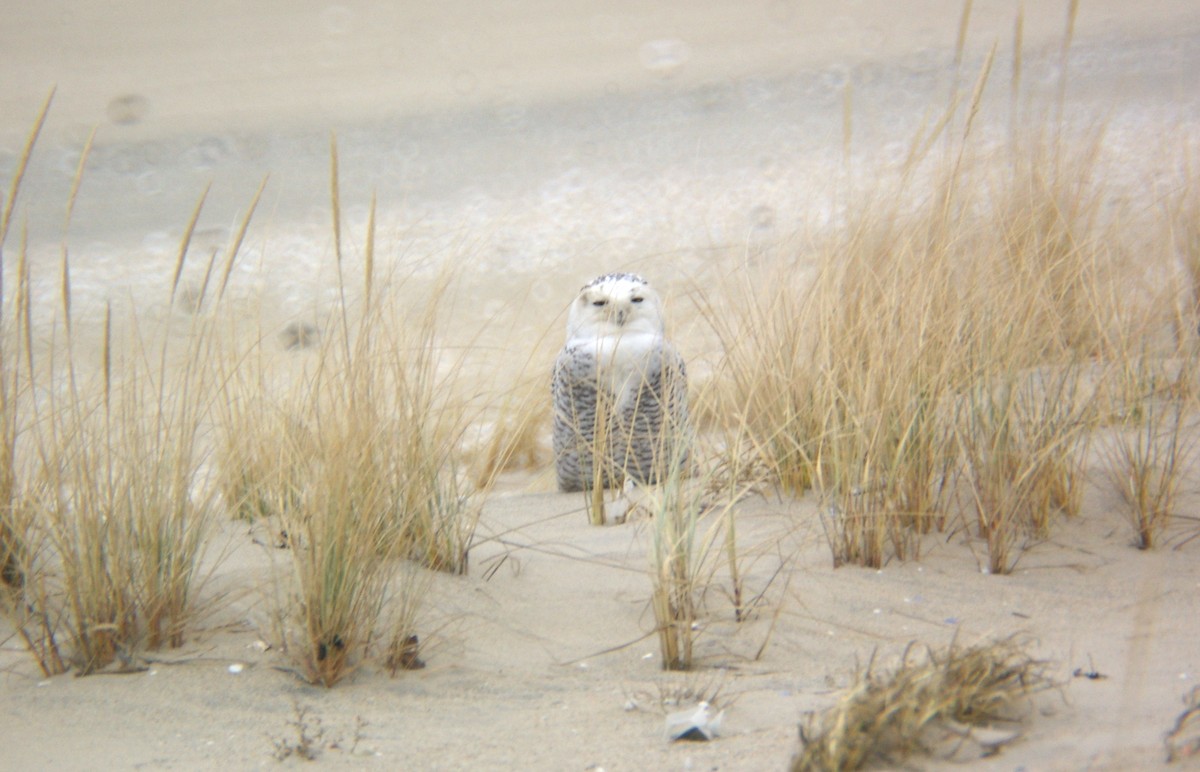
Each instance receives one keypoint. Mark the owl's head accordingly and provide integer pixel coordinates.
(615, 304)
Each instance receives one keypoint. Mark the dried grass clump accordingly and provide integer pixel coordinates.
(1022, 437)
(381, 493)
(938, 338)
(886, 717)
(371, 485)
(677, 555)
(110, 522)
(693, 533)
(1150, 451)
(107, 516)
(265, 452)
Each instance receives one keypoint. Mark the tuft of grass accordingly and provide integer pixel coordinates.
(690, 535)
(120, 497)
(24, 586)
(1149, 452)
(119, 503)
(375, 481)
(265, 452)
(102, 495)
(1021, 437)
(888, 716)
(936, 338)
(341, 571)
(676, 555)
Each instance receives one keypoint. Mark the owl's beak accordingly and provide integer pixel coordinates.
(621, 317)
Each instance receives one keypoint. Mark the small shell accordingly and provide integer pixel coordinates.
(694, 724)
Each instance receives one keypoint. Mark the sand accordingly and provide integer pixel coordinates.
(543, 662)
(533, 145)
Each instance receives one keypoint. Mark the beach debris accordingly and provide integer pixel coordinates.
(403, 654)
(259, 646)
(696, 724)
(299, 335)
(1183, 741)
(961, 703)
(665, 56)
(310, 740)
(618, 509)
(236, 668)
(962, 743)
(1091, 673)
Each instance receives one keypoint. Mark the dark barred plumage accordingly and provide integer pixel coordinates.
(644, 435)
(630, 277)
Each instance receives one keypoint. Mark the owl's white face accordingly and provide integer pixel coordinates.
(615, 305)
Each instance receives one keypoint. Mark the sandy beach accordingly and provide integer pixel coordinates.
(528, 146)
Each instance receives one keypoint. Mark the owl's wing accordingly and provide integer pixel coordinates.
(573, 388)
(656, 433)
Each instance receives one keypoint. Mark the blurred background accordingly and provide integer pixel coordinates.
(520, 139)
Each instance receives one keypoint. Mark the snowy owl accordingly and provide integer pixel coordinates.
(619, 388)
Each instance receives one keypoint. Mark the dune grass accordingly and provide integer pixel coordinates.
(693, 536)
(887, 716)
(356, 457)
(677, 557)
(114, 470)
(108, 530)
(1148, 454)
(938, 358)
(111, 524)
(380, 490)
(882, 368)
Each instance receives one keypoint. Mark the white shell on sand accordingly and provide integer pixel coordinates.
(697, 723)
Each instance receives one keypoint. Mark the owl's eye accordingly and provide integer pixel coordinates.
(637, 298)
(599, 303)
